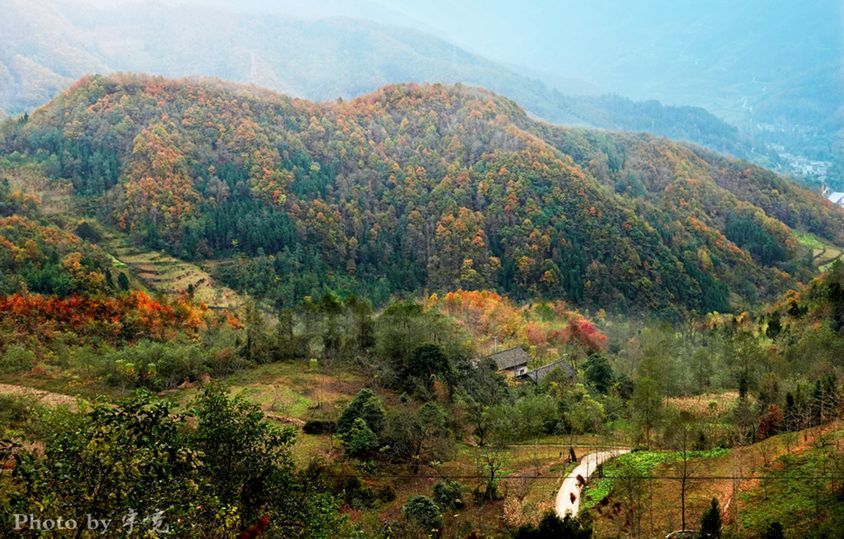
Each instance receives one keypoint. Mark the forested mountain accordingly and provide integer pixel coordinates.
(422, 187)
(48, 45)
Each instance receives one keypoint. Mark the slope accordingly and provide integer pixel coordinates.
(423, 187)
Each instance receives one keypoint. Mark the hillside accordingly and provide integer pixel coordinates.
(422, 187)
(48, 45)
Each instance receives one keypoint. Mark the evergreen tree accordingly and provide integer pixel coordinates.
(710, 522)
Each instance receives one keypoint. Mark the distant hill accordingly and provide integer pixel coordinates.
(47, 45)
(416, 188)
(772, 68)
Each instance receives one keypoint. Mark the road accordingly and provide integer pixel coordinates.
(568, 498)
(47, 398)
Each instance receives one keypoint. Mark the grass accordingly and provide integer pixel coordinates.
(804, 507)
(823, 253)
(643, 462)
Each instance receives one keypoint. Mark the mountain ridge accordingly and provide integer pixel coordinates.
(61, 45)
(423, 187)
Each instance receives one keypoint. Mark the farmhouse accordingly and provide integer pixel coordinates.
(536, 375)
(513, 362)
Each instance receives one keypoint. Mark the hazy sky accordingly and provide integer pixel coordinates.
(617, 45)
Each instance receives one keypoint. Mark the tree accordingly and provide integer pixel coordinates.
(417, 438)
(113, 460)
(122, 281)
(423, 511)
(360, 441)
(630, 488)
(212, 476)
(257, 345)
(367, 406)
(490, 464)
(774, 531)
(552, 525)
(534, 415)
(710, 522)
(679, 433)
(427, 363)
(599, 373)
(249, 462)
(647, 406)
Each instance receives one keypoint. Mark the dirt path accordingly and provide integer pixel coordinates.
(47, 398)
(568, 498)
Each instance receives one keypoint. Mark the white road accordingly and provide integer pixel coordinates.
(568, 498)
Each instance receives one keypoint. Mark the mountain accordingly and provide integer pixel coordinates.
(50, 44)
(422, 188)
(771, 68)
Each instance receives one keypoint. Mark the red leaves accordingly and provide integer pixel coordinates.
(131, 316)
(491, 317)
(586, 334)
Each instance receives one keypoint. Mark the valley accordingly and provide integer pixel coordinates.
(266, 272)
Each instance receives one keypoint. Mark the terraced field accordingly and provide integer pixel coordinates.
(823, 253)
(168, 275)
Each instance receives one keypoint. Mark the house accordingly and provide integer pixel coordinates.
(536, 375)
(513, 362)
(836, 198)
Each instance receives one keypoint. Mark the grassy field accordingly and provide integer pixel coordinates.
(733, 477)
(823, 253)
(804, 492)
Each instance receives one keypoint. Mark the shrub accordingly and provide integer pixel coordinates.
(359, 440)
(774, 531)
(449, 494)
(319, 426)
(552, 525)
(16, 358)
(423, 511)
(710, 522)
(386, 494)
(367, 406)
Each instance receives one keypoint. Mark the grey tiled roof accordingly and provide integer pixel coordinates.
(538, 374)
(507, 359)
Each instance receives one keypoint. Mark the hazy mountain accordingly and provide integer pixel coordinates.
(423, 188)
(771, 67)
(50, 44)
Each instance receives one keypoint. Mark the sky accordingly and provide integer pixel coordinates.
(634, 48)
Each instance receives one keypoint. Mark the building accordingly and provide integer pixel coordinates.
(836, 198)
(536, 375)
(513, 362)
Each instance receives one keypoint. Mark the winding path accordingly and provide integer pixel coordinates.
(568, 498)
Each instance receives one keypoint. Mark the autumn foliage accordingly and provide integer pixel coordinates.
(127, 317)
(423, 187)
(545, 328)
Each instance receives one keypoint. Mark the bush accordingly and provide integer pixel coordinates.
(367, 406)
(710, 522)
(15, 412)
(423, 511)
(359, 440)
(159, 365)
(386, 494)
(449, 494)
(16, 358)
(552, 525)
(774, 531)
(319, 426)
